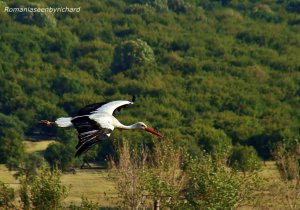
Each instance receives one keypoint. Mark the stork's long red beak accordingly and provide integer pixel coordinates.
(150, 130)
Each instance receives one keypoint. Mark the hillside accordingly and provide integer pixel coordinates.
(200, 69)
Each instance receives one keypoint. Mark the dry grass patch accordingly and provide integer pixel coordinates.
(36, 146)
(7, 176)
(95, 185)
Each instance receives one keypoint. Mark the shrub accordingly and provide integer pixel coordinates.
(287, 157)
(131, 53)
(7, 196)
(45, 191)
(244, 158)
(214, 141)
(212, 186)
(264, 12)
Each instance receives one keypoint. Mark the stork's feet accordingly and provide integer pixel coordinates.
(46, 122)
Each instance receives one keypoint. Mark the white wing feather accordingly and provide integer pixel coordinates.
(103, 119)
(110, 107)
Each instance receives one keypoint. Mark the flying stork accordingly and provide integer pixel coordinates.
(95, 122)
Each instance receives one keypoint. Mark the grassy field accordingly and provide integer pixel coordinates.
(36, 146)
(93, 184)
(6, 176)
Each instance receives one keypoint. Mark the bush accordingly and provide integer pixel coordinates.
(178, 181)
(45, 191)
(212, 186)
(139, 173)
(86, 205)
(264, 12)
(7, 197)
(244, 158)
(214, 141)
(287, 157)
(131, 53)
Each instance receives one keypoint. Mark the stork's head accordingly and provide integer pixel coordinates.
(143, 126)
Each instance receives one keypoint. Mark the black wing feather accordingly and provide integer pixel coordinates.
(86, 142)
(120, 108)
(89, 133)
(88, 109)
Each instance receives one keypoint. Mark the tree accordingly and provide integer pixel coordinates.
(45, 191)
(11, 136)
(212, 186)
(131, 53)
(60, 155)
(214, 141)
(244, 158)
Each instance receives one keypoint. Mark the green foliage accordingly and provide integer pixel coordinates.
(42, 19)
(11, 135)
(213, 186)
(29, 165)
(178, 180)
(164, 180)
(85, 205)
(60, 155)
(244, 158)
(214, 142)
(7, 197)
(45, 191)
(264, 12)
(131, 53)
(287, 156)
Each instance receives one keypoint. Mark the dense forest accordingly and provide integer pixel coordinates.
(210, 75)
(220, 79)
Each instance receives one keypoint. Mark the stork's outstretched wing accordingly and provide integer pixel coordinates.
(106, 107)
(110, 107)
(90, 132)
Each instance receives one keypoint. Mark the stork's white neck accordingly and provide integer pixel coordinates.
(126, 127)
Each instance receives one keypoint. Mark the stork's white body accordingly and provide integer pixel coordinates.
(103, 115)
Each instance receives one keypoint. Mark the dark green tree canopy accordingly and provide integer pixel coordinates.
(244, 158)
(132, 53)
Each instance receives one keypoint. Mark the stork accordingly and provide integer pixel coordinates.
(95, 122)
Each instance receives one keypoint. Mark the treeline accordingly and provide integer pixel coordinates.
(212, 75)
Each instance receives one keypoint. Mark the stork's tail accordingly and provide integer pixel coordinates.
(63, 122)
(60, 122)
